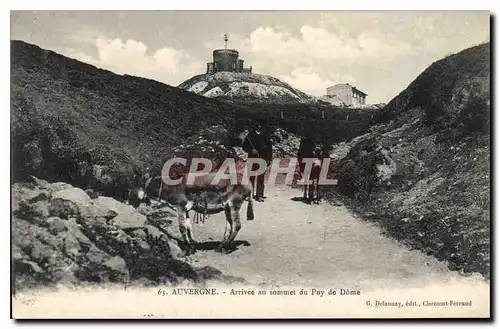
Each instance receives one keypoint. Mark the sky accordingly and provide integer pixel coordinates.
(379, 52)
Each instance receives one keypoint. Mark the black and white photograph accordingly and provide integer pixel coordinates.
(250, 164)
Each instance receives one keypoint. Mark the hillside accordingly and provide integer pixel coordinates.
(87, 132)
(92, 128)
(76, 123)
(423, 173)
(245, 87)
(443, 88)
(80, 134)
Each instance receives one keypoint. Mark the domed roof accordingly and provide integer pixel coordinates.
(229, 51)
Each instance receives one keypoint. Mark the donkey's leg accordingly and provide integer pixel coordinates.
(236, 223)
(189, 229)
(252, 182)
(227, 232)
(183, 223)
(229, 227)
(229, 223)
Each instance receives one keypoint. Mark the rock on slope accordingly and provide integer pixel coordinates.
(423, 172)
(60, 235)
(245, 87)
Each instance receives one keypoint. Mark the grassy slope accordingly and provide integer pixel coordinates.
(65, 112)
(424, 173)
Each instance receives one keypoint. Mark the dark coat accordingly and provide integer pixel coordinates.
(258, 145)
(306, 148)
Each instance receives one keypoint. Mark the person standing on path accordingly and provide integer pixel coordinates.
(306, 150)
(258, 145)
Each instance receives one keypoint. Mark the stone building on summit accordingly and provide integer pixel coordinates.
(348, 94)
(226, 60)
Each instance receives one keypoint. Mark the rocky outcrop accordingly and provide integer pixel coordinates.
(126, 216)
(218, 144)
(214, 143)
(62, 236)
(285, 144)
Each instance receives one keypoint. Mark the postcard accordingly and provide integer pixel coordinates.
(197, 164)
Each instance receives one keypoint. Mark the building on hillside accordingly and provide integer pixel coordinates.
(348, 94)
(226, 60)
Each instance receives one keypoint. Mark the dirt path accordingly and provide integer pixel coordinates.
(292, 243)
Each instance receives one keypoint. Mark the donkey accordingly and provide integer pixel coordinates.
(230, 197)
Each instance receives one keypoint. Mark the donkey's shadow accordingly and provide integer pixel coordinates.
(305, 200)
(214, 245)
(206, 245)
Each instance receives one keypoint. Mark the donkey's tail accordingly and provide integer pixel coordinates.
(250, 214)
